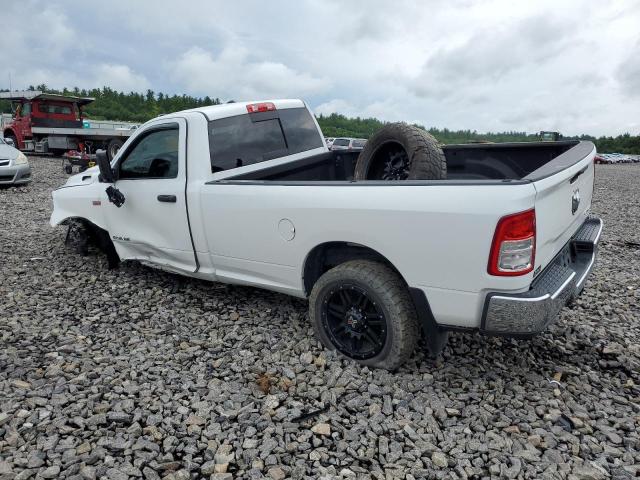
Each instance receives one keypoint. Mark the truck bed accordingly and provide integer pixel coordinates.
(472, 162)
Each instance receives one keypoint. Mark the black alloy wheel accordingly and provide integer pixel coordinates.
(354, 322)
(397, 165)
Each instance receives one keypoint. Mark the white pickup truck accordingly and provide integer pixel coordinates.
(247, 193)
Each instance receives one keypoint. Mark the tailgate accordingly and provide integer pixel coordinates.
(564, 188)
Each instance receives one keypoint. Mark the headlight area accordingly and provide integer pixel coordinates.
(21, 159)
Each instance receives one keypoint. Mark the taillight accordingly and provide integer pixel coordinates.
(514, 245)
(260, 107)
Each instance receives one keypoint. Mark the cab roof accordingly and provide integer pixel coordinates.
(38, 95)
(224, 110)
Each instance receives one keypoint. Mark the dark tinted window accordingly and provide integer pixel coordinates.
(239, 141)
(341, 142)
(48, 108)
(155, 155)
(300, 130)
(358, 142)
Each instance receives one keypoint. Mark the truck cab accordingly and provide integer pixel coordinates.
(51, 123)
(37, 109)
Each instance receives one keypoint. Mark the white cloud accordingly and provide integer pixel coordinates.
(490, 65)
(118, 77)
(337, 105)
(233, 74)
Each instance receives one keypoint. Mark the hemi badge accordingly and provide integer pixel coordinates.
(97, 203)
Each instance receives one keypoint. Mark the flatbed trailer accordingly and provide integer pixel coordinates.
(50, 123)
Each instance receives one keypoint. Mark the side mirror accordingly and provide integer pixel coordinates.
(106, 174)
(10, 142)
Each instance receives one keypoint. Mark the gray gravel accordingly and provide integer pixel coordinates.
(135, 373)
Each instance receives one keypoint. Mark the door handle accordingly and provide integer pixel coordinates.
(167, 198)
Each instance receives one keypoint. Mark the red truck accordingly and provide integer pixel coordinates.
(50, 123)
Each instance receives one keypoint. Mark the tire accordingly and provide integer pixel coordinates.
(387, 315)
(401, 152)
(113, 147)
(68, 169)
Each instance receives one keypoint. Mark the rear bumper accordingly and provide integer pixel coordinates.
(15, 174)
(526, 314)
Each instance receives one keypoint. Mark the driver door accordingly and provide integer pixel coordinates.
(152, 224)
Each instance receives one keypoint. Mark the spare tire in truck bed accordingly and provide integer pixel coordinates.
(401, 152)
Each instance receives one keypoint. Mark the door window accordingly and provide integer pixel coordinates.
(153, 155)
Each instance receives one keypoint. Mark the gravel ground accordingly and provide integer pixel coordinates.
(139, 373)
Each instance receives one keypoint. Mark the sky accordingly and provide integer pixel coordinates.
(493, 65)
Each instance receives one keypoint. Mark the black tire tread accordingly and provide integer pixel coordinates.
(392, 289)
(427, 158)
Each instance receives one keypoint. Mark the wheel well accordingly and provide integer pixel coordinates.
(8, 131)
(99, 237)
(328, 255)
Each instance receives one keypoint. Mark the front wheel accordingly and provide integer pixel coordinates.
(363, 309)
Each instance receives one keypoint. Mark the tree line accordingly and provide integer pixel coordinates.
(110, 104)
(136, 107)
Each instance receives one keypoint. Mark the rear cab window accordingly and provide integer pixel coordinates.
(341, 142)
(253, 138)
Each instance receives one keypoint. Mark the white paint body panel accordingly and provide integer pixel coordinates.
(437, 236)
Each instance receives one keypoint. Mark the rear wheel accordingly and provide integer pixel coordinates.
(113, 147)
(363, 309)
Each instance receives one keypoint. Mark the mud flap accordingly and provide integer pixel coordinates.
(434, 337)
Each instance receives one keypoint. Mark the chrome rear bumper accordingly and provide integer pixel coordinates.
(526, 314)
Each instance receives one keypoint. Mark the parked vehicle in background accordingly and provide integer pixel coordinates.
(48, 123)
(14, 166)
(498, 242)
(549, 136)
(351, 144)
(617, 158)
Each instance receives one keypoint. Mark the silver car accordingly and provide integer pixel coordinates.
(351, 144)
(14, 166)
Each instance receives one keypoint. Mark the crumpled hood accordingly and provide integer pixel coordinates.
(89, 176)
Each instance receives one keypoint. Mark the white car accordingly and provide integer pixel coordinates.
(247, 193)
(14, 166)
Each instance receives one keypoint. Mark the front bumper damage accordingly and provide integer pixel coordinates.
(526, 314)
